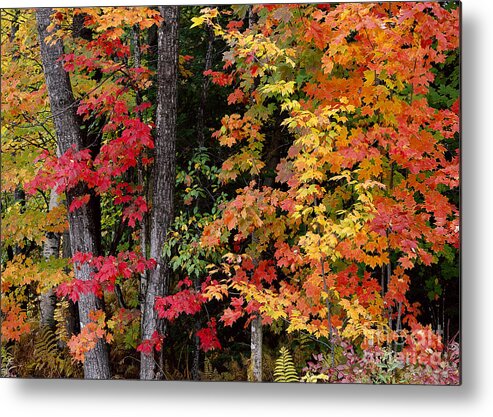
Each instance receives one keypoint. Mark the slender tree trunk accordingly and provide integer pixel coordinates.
(164, 178)
(51, 248)
(72, 323)
(83, 222)
(19, 197)
(141, 174)
(205, 88)
(196, 353)
(256, 331)
(201, 143)
(256, 348)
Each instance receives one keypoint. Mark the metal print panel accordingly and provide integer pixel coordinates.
(232, 193)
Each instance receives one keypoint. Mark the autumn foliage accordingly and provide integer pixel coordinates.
(324, 199)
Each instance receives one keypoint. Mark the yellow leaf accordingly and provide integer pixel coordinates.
(370, 77)
(197, 21)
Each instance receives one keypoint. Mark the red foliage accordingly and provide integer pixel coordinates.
(185, 301)
(148, 345)
(219, 78)
(230, 316)
(208, 337)
(105, 270)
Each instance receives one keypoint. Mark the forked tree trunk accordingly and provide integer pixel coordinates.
(83, 227)
(164, 179)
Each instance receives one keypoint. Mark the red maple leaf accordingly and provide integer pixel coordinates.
(208, 337)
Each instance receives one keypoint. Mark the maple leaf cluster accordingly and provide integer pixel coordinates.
(148, 345)
(208, 337)
(106, 270)
(186, 301)
(89, 335)
(364, 173)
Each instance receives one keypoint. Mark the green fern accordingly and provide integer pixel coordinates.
(7, 362)
(48, 360)
(285, 370)
(210, 373)
(61, 315)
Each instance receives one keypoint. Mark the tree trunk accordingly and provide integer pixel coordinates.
(73, 323)
(201, 143)
(83, 222)
(256, 330)
(142, 179)
(205, 88)
(256, 348)
(196, 353)
(20, 197)
(164, 178)
(51, 248)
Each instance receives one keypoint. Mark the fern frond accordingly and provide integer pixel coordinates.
(48, 360)
(61, 315)
(7, 362)
(209, 374)
(285, 370)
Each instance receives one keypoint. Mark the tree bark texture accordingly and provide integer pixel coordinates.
(83, 222)
(51, 248)
(164, 178)
(256, 324)
(256, 348)
(256, 334)
(72, 324)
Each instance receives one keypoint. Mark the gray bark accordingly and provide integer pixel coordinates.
(164, 178)
(196, 353)
(256, 348)
(256, 333)
(72, 323)
(19, 197)
(141, 174)
(83, 227)
(256, 324)
(51, 248)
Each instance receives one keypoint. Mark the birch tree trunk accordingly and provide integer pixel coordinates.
(83, 222)
(51, 248)
(164, 179)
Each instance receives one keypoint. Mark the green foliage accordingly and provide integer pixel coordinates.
(48, 360)
(388, 368)
(198, 201)
(210, 373)
(445, 89)
(285, 370)
(312, 135)
(61, 315)
(7, 362)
